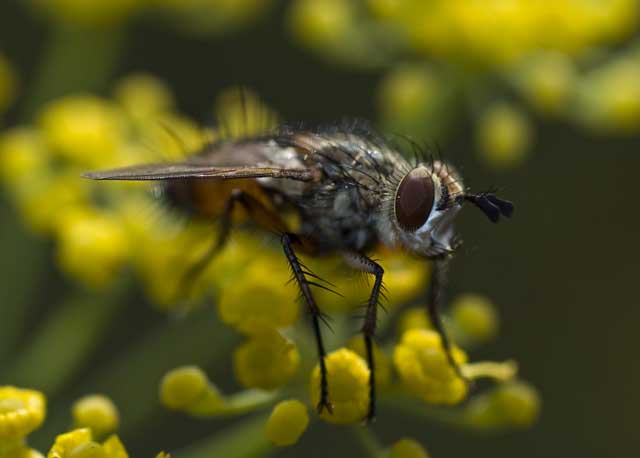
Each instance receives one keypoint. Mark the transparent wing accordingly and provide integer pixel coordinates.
(222, 161)
(187, 170)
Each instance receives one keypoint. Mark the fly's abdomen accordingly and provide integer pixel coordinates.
(206, 199)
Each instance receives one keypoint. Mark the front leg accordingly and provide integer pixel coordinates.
(365, 264)
(434, 303)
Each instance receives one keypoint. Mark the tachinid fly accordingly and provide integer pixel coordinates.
(352, 190)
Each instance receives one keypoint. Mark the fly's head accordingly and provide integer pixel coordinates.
(426, 202)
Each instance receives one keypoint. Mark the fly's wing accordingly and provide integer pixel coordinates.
(218, 161)
(184, 170)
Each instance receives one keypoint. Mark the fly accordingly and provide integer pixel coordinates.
(352, 190)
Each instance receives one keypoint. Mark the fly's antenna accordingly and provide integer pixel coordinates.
(490, 204)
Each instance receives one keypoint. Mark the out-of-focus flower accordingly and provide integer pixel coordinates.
(475, 317)
(503, 135)
(321, 23)
(97, 413)
(288, 421)
(266, 360)
(487, 31)
(207, 16)
(100, 237)
(423, 367)
(96, 13)
(8, 83)
(84, 129)
(510, 405)
(413, 318)
(348, 378)
(407, 448)
(144, 96)
(264, 302)
(414, 100)
(547, 81)
(608, 98)
(22, 154)
(80, 444)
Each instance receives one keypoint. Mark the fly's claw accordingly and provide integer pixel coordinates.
(324, 404)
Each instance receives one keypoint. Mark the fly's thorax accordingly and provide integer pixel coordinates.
(421, 214)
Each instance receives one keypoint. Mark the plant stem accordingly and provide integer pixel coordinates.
(245, 439)
(75, 60)
(368, 442)
(65, 340)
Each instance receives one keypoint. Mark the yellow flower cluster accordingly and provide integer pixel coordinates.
(463, 53)
(41, 166)
(348, 377)
(478, 31)
(22, 411)
(425, 370)
(80, 444)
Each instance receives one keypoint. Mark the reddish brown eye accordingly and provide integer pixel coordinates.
(414, 199)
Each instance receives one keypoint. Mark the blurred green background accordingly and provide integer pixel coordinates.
(562, 271)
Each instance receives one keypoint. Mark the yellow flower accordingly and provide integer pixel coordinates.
(424, 368)
(264, 301)
(547, 80)
(348, 378)
(475, 317)
(23, 157)
(84, 129)
(405, 277)
(8, 84)
(287, 422)
(413, 318)
(91, 14)
(143, 96)
(21, 411)
(413, 99)
(512, 404)
(608, 98)
(80, 444)
(189, 390)
(503, 135)
(43, 199)
(266, 360)
(407, 448)
(321, 22)
(381, 360)
(96, 412)
(93, 246)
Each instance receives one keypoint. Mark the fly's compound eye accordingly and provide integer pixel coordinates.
(414, 199)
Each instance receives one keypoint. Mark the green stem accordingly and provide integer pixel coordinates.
(449, 416)
(64, 342)
(368, 442)
(22, 281)
(245, 439)
(75, 60)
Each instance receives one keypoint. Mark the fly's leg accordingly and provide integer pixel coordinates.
(316, 316)
(434, 303)
(367, 265)
(254, 208)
